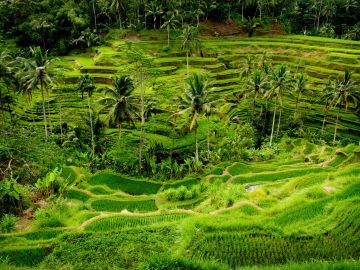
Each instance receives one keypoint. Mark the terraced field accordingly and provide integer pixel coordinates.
(222, 60)
(291, 211)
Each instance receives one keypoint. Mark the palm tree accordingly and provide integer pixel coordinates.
(195, 103)
(257, 85)
(86, 85)
(248, 66)
(327, 98)
(300, 87)
(116, 6)
(37, 74)
(170, 23)
(120, 102)
(208, 6)
(280, 83)
(346, 93)
(190, 42)
(154, 9)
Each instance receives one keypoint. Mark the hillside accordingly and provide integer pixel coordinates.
(236, 153)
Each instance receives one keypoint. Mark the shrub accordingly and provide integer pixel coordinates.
(7, 223)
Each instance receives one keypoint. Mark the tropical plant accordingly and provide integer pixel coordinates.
(120, 102)
(37, 74)
(190, 42)
(46, 185)
(247, 66)
(116, 6)
(86, 85)
(300, 87)
(196, 103)
(279, 84)
(256, 86)
(345, 94)
(154, 9)
(170, 23)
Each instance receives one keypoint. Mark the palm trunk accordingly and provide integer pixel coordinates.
(120, 132)
(142, 120)
(94, 12)
(49, 118)
(44, 110)
(336, 124)
(242, 11)
(187, 63)
(273, 124)
(168, 30)
(253, 110)
(297, 103)
(61, 130)
(91, 127)
(154, 22)
(196, 146)
(278, 127)
(208, 139)
(119, 16)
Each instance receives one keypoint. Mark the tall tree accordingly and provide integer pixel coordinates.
(120, 102)
(154, 9)
(170, 22)
(300, 88)
(190, 42)
(37, 74)
(280, 83)
(86, 85)
(116, 6)
(256, 86)
(195, 103)
(345, 94)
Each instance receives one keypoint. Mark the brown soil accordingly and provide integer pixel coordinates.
(25, 220)
(230, 28)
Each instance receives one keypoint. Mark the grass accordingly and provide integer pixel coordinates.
(25, 256)
(78, 195)
(118, 206)
(120, 222)
(117, 182)
(276, 176)
(187, 182)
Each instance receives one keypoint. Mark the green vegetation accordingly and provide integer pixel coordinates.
(179, 134)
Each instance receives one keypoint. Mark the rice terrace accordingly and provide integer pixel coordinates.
(160, 135)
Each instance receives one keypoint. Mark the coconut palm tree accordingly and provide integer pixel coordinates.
(247, 66)
(327, 98)
(170, 23)
(154, 9)
(190, 42)
(280, 83)
(195, 103)
(120, 102)
(116, 6)
(345, 94)
(300, 88)
(37, 74)
(86, 85)
(256, 86)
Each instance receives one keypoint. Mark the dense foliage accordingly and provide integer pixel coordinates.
(62, 25)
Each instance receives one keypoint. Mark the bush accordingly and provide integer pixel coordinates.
(185, 193)
(7, 223)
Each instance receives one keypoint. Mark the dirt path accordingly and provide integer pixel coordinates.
(236, 205)
(224, 173)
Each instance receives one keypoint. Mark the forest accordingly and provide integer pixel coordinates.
(138, 134)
